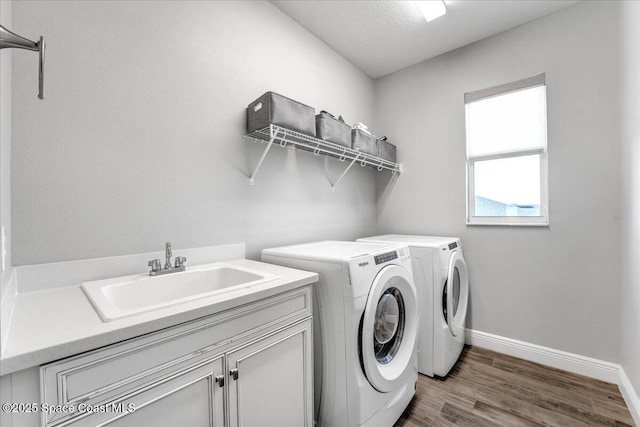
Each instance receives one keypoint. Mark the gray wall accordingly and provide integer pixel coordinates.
(137, 142)
(555, 286)
(138, 139)
(5, 143)
(630, 168)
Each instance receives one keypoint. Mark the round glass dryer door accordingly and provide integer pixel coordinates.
(389, 328)
(455, 295)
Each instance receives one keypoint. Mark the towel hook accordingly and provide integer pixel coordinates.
(10, 40)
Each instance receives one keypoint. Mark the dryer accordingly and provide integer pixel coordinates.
(442, 283)
(365, 329)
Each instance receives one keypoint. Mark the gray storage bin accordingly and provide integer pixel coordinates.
(272, 108)
(332, 130)
(386, 151)
(364, 142)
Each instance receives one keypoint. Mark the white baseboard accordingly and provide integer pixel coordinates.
(630, 396)
(570, 362)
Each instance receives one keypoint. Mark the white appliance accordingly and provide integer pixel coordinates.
(442, 283)
(365, 329)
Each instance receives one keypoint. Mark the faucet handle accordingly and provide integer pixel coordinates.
(155, 265)
(180, 260)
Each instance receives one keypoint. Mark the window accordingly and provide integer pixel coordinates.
(506, 130)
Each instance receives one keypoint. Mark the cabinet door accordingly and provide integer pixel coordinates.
(188, 398)
(271, 380)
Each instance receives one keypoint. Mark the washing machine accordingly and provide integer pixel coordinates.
(365, 326)
(442, 283)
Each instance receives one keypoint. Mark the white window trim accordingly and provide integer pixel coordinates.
(535, 221)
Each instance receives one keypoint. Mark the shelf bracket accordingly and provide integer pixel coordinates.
(264, 154)
(333, 186)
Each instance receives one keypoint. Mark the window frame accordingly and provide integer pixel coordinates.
(536, 221)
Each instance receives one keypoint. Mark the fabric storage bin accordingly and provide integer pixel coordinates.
(330, 129)
(364, 142)
(386, 151)
(273, 108)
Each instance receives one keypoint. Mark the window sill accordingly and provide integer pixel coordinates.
(510, 224)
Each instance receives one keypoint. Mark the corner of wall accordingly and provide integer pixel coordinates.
(7, 276)
(630, 396)
(629, 43)
(7, 302)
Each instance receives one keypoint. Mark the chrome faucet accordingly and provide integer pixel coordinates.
(167, 255)
(156, 266)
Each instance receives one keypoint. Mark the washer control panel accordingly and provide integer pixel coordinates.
(382, 258)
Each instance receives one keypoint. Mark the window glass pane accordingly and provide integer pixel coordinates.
(512, 122)
(507, 187)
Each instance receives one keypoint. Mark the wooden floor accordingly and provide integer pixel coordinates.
(491, 389)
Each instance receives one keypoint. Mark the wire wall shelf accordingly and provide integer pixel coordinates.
(282, 137)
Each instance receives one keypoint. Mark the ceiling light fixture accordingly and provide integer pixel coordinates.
(432, 9)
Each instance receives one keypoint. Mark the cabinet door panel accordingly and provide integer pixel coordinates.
(189, 398)
(187, 406)
(274, 384)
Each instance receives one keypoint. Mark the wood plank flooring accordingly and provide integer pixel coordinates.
(492, 389)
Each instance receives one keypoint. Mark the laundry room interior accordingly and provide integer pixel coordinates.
(185, 242)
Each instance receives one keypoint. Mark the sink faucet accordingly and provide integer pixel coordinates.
(167, 255)
(156, 266)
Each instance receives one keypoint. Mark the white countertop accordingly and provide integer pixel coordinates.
(52, 324)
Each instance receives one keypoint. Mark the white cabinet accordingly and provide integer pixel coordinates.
(250, 366)
(270, 382)
(190, 398)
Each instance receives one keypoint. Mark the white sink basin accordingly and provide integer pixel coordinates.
(125, 296)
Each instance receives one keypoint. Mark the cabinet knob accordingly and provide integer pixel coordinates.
(234, 373)
(220, 380)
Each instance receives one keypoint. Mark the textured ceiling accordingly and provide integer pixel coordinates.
(381, 37)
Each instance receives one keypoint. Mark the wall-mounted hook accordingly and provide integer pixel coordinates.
(10, 40)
